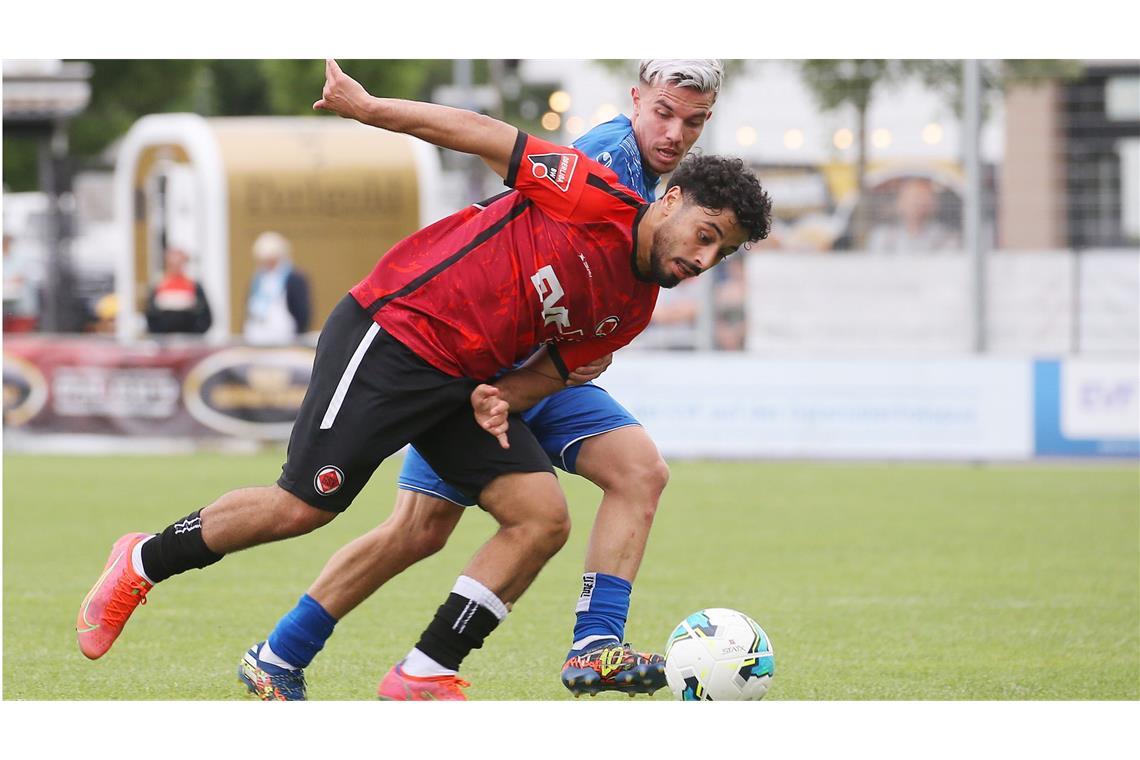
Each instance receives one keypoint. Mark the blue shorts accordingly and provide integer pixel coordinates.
(560, 422)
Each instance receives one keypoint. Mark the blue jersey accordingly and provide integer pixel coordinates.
(614, 146)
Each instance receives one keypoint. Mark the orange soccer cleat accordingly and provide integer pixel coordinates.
(398, 686)
(111, 600)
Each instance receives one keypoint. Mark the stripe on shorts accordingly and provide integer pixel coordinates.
(346, 378)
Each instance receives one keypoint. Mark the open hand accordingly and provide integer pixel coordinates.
(491, 412)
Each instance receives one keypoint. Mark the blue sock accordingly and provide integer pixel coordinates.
(602, 609)
(302, 633)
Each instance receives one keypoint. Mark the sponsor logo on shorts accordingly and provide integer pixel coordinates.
(606, 326)
(605, 158)
(329, 479)
(556, 167)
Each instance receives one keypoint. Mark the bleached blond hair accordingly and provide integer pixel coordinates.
(702, 74)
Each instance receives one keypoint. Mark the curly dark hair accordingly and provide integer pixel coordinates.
(719, 182)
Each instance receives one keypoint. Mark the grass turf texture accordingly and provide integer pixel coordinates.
(905, 582)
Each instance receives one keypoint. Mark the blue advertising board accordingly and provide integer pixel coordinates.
(1086, 408)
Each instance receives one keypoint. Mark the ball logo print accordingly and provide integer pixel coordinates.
(328, 480)
(718, 655)
(606, 326)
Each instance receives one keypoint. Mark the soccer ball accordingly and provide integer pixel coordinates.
(718, 654)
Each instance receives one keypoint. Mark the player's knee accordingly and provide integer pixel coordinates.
(641, 477)
(558, 531)
(545, 530)
(422, 525)
(427, 539)
(550, 534)
(293, 517)
(656, 477)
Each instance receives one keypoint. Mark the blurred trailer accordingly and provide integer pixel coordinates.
(341, 192)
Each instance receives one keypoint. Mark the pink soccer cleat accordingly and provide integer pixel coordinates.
(398, 686)
(111, 600)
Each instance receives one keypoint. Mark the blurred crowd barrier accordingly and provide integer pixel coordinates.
(865, 304)
(56, 385)
(1043, 303)
(695, 404)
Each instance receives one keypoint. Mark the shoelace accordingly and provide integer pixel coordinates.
(457, 685)
(124, 599)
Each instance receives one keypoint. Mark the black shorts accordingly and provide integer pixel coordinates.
(368, 396)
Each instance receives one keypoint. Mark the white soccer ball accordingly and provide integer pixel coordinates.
(719, 654)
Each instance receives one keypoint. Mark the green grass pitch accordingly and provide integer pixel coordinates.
(874, 581)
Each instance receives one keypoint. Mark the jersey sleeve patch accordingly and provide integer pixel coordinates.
(558, 168)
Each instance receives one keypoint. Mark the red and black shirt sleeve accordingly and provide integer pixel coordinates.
(566, 183)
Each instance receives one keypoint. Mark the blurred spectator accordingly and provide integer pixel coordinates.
(729, 294)
(915, 229)
(278, 308)
(178, 304)
(20, 309)
(104, 313)
(674, 323)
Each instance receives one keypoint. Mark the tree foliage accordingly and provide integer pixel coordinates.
(294, 85)
(122, 91)
(945, 76)
(837, 83)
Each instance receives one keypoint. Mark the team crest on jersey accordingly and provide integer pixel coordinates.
(556, 167)
(606, 327)
(329, 479)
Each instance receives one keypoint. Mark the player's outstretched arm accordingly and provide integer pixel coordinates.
(451, 128)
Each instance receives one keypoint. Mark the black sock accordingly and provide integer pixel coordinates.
(177, 549)
(460, 625)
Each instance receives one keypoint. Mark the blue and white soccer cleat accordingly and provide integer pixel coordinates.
(270, 682)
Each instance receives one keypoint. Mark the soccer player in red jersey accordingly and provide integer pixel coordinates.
(583, 430)
(573, 262)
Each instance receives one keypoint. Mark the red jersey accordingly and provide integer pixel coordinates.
(553, 263)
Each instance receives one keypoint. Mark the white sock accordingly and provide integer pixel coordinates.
(582, 643)
(136, 559)
(419, 664)
(472, 589)
(268, 655)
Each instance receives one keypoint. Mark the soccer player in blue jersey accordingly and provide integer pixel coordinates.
(583, 430)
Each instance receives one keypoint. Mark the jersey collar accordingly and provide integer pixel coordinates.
(633, 254)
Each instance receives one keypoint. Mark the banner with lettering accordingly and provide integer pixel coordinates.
(92, 385)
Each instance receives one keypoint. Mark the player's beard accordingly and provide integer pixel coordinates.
(665, 241)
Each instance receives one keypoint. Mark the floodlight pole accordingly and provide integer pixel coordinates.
(972, 206)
